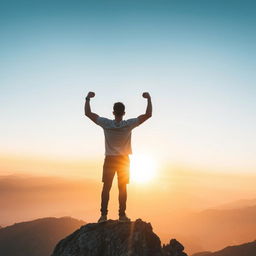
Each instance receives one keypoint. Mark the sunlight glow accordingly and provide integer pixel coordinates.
(143, 168)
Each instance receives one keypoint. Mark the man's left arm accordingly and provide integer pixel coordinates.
(148, 114)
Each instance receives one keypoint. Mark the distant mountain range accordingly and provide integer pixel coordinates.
(209, 230)
(37, 237)
(247, 249)
(215, 229)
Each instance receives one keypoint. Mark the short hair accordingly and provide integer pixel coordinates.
(119, 108)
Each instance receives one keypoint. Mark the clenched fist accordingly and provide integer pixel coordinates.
(90, 95)
(146, 95)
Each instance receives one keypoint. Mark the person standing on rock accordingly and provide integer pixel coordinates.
(117, 150)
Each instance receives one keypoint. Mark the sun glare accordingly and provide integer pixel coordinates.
(143, 168)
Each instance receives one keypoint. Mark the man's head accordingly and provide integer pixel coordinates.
(118, 109)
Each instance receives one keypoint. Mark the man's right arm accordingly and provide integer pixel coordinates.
(148, 114)
(87, 108)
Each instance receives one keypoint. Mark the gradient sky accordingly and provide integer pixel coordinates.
(196, 58)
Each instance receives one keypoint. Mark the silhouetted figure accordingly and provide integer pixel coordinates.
(117, 150)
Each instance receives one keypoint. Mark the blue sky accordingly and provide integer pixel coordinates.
(197, 58)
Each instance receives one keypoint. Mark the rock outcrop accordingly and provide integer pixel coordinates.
(114, 238)
(174, 248)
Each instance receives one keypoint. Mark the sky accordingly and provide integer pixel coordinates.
(196, 58)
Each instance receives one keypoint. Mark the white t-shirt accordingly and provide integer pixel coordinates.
(117, 135)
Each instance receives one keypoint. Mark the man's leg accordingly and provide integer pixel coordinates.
(107, 179)
(105, 197)
(122, 198)
(123, 180)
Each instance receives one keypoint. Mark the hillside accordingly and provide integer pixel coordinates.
(37, 237)
(247, 249)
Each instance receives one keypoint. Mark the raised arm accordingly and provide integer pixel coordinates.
(148, 114)
(87, 107)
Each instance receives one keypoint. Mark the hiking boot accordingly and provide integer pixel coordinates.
(124, 218)
(103, 218)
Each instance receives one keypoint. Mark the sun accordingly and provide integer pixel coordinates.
(143, 168)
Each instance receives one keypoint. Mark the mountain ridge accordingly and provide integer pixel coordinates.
(246, 249)
(24, 238)
(242, 203)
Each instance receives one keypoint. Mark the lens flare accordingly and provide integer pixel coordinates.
(143, 168)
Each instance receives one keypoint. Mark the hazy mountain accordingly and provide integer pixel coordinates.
(215, 229)
(242, 203)
(37, 237)
(247, 249)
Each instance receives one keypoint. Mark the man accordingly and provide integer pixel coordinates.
(117, 149)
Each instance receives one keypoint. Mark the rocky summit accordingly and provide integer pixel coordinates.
(114, 238)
